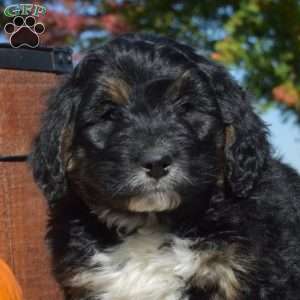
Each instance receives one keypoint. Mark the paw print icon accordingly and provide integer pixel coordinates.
(24, 32)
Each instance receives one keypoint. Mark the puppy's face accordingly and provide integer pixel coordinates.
(146, 146)
(146, 124)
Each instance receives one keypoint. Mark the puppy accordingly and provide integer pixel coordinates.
(161, 183)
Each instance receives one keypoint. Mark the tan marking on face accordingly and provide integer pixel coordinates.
(74, 163)
(65, 147)
(220, 270)
(177, 87)
(229, 135)
(118, 89)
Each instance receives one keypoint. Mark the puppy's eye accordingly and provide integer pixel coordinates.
(111, 114)
(186, 108)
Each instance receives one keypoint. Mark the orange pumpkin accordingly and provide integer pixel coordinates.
(9, 287)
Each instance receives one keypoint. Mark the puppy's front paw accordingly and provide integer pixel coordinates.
(223, 273)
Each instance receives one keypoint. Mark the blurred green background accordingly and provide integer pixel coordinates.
(258, 40)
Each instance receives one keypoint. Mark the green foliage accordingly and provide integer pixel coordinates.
(261, 37)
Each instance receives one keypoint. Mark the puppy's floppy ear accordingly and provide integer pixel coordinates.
(246, 146)
(51, 155)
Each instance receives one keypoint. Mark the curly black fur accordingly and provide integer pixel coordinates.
(140, 97)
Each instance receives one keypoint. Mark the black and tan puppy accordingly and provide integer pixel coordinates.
(161, 183)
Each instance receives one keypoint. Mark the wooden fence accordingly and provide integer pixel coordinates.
(22, 207)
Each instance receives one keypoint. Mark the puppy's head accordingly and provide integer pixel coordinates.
(144, 124)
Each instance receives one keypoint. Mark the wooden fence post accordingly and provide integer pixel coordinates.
(26, 77)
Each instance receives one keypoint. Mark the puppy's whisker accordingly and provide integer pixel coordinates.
(187, 179)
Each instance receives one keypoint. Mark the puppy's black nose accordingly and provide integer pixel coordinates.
(156, 166)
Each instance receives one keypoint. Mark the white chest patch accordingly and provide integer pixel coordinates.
(149, 265)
